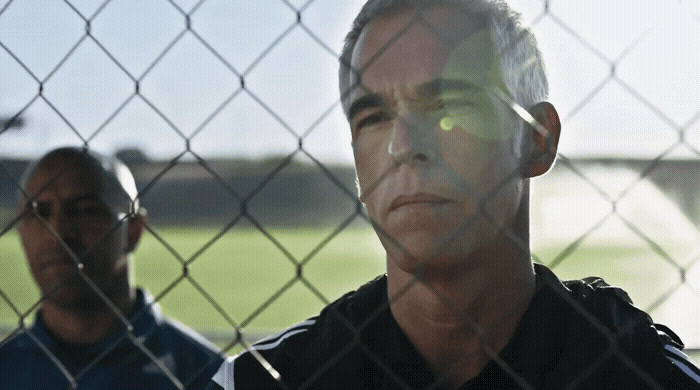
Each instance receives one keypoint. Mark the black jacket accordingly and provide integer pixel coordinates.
(580, 334)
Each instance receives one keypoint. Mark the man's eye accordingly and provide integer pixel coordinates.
(372, 119)
(89, 211)
(42, 209)
(453, 104)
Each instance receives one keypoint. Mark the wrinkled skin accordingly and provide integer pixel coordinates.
(434, 149)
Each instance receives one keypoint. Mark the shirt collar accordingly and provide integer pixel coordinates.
(529, 353)
(144, 315)
(534, 347)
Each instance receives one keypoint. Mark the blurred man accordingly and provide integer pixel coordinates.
(446, 102)
(80, 224)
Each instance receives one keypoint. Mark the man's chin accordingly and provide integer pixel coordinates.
(74, 298)
(428, 255)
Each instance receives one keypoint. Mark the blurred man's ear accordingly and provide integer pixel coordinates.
(544, 143)
(137, 223)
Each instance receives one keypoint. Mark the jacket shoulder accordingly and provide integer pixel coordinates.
(300, 351)
(606, 323)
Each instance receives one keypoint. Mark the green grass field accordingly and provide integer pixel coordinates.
(255, 284)
(242, 271)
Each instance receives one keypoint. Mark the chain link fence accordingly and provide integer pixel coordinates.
(228, 114)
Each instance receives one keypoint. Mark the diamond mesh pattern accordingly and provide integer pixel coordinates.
(200, 66)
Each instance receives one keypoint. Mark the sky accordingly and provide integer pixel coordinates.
(623, 75)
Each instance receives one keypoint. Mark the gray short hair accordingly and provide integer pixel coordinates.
(521, 61)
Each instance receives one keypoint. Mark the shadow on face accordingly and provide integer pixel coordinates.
(68, 226)
(433, 148)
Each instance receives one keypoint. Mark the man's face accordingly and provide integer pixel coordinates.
(70, 211)
(433, 147)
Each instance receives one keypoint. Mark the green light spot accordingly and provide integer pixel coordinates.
(447, 123)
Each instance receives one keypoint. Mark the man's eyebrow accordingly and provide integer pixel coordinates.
(29, 204)
(78, 198)
(371, 100)
(439, 85)
(430, 88)
(86, 198)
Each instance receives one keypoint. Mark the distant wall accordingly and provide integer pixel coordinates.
(301, 194)
(297, 195)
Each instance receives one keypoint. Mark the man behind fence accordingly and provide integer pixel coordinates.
(81, 222)
(433, 92)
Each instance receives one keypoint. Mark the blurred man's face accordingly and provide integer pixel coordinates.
(433, 147)
(69, 211)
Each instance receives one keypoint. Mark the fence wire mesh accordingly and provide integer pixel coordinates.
(193, 83)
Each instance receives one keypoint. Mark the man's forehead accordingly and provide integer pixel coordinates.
(399, 51)
(57, 180)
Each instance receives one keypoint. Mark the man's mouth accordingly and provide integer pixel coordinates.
(49, 260)
(420, 198)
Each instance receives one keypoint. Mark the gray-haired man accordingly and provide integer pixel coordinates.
(446, 101)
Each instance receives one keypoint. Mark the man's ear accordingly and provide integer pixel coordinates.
(543, 140)
(137, 222)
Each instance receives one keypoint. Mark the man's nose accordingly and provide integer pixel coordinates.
(62, 225)
(413, 140)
